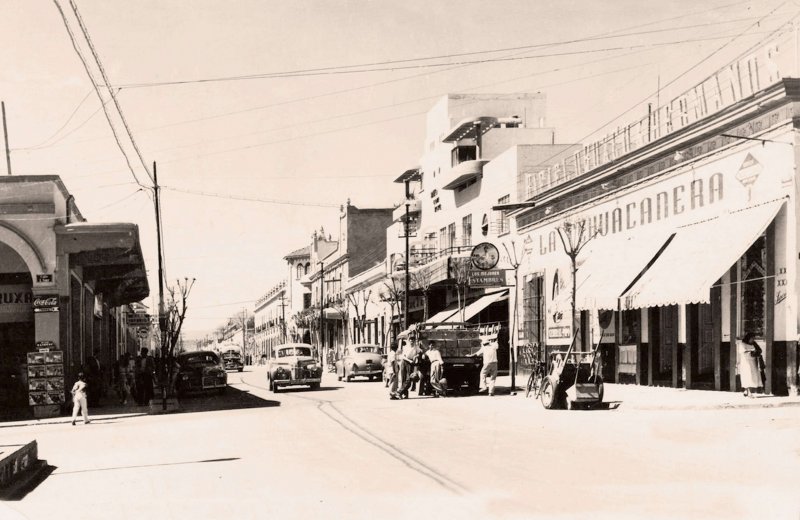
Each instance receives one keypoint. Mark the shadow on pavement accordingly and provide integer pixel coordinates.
(295, 389)
(113, 468)
(231, 399)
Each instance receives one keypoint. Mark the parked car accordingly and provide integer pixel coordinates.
(293, 364)
(232, 360)
(360, 360)
(200, 371)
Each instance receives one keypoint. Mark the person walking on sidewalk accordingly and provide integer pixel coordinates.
(79, 399)
(489, 369)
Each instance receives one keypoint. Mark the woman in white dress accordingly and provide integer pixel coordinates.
(749, 354)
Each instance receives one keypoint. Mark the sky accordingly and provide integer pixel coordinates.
(263, 117)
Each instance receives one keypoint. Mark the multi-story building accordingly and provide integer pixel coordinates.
(477, 146)
(361, 246)
(690, 220)
(271, 320)
(298, 295)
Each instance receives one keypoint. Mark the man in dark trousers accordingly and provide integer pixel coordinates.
(407, 356)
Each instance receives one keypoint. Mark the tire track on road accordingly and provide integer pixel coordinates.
(329, 409)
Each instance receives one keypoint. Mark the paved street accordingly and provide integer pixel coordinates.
(347, 451)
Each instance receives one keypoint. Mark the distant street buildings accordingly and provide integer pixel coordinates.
(687, 221)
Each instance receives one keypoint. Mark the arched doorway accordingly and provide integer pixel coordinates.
(16, 329)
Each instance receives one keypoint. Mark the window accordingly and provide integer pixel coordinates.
(533, 311)
(308, 266)
(629, 335)
(466, 230)
(451, 234)
(306, 300)
(753, 289)
(463, 153)
(485, 225)
(443, 239)
(502, 220)
(299, 271)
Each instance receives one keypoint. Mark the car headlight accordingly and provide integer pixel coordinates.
(312, 367)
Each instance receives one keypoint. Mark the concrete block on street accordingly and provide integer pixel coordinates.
(19, 466)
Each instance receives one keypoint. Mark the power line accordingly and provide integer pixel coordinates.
(72, 114)
(393, 64)
(108, 86)
(97, 90)
(250, 199)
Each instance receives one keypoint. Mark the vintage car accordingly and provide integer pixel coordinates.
(293, 364)
(360, 360)
(232, 360)
(200, 371)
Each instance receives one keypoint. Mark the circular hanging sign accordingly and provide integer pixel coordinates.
(485, 256)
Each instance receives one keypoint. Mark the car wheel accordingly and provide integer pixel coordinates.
(338, 375)
(241, 369)
(270, 384)
(347, 377)
(315, 386)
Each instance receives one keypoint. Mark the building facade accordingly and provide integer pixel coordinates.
(65, 284)
(690, 228)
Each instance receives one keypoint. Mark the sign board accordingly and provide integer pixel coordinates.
(142, 332)
(488, 278)
(44, 278)
(137, 320)
(15, 302)
(46, 378)
(45, 303)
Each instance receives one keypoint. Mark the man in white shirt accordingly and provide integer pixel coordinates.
(435, 357)
(489, 370)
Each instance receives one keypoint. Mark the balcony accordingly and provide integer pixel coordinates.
(463, 173)
(414, 207)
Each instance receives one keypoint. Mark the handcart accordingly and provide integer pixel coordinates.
(573, 380)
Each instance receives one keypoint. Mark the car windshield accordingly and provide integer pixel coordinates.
(367, 350)
(294, 351)
(201, 359)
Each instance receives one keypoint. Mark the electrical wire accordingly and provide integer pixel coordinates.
(97, 90)
(393, 65)
(250, 199)
(72, 114)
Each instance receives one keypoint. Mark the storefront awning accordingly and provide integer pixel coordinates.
(331, 314)
(110, 255)
(612, 266)
(442, 316)
(475, 308)
(698, 256)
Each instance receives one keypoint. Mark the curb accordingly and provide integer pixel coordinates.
(67, 420)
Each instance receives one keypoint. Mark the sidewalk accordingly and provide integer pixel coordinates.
(633, 397)
(109, 408)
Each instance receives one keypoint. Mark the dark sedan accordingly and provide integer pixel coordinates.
(199, 372)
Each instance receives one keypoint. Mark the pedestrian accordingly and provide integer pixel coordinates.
(437, 381)
(408, 354)
(391, 363)
(750, 362)
(145, 369)
(79, 399)
(424, 371)
(120, 374)
(489, 369)
(94, 378)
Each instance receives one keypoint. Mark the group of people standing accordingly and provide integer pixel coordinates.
(415, 363)
(134, 377)
(419, 362)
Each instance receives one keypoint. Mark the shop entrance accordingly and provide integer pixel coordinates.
(701, 346)
(664, 346)
(16, 340)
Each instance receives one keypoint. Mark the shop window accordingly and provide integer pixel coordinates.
(631, 325)
(533, 311)
(451, 234)
(753, 289)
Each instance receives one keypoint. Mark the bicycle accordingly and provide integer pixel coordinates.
(529, 356)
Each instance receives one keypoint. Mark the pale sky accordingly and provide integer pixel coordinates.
(317, 139)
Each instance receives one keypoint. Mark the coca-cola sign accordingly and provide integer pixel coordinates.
(45, 303)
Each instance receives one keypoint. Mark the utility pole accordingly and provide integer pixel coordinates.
(5, 134)
(162, 319)
(283, 315)
(408, 260)
(244, 334)
(321, 313)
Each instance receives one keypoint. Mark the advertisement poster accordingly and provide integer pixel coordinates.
(46, 378)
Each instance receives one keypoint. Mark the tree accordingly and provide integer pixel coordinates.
(359, 300)
(174, 314)
(574, 236)
(421, 279)
(308, 319)
(392, 293)
(461, 268)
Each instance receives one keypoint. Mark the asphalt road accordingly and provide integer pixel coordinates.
(347, 451)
